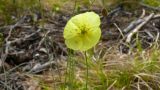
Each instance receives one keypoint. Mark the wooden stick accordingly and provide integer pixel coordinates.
(129, 36)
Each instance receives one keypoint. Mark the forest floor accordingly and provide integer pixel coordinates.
(34, 56)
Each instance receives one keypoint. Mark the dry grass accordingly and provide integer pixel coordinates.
(139, 71)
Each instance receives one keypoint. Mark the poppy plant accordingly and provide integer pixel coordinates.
(82, 31)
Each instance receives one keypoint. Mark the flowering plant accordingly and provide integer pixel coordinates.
(82, 31)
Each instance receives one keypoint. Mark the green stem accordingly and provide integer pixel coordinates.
(69, 78)
(75, 4)
(71, 72)
(86, 70)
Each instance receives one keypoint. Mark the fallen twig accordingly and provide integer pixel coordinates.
(40, 67)
(146, 19)
(119, 30)
(42, 40)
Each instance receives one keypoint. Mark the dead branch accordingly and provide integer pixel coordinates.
(40, 67)
(146, 19)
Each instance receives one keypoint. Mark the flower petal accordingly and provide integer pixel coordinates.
(92, 19)
(74, 43)
(78, 20)
(74, 39)
(70, 30)
(91, 39)
(89, 19)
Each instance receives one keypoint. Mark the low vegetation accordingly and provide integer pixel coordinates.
(33, 50)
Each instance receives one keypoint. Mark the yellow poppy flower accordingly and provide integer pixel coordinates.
(82, 31)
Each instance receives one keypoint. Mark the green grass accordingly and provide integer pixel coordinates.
(154, 3)
(16, 8)
(139, 72)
